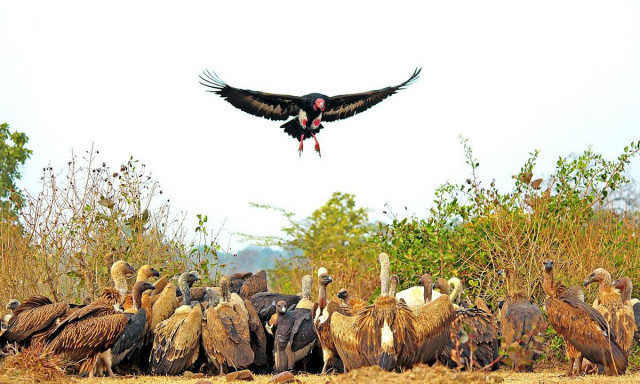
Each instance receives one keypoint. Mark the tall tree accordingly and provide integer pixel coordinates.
(13, 154)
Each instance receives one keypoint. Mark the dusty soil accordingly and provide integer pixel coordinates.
(369, 376)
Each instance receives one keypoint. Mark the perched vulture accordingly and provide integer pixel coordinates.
(483, 335)
(254, 284)
(225, 332)
(238, 279)
(582, 326)
(86, 335)
(138, 325)
(35, 315)
(322, 311)
(522, 324)
(386, 333)
(176, 343)
(625, 286)
(164, 305)
(11, 306)
(144, 273)
(185, 283)
(572, 353)
(609, 303)
(120, 271)
(308, 110)
(305, 302)
(432, 323)
(264, 302)
(294, 338)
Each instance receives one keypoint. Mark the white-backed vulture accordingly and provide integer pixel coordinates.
(144, 273)
(522, 325)
(34, 316)
(120, 271)
(225, 332)
(322, 311)
(482, 336)
(573, 355)
(177, 341)
(625, 286)
(619, 316)
(381, 334)
(306, 302)
(185, 290)
(253, 284)
(582, 325)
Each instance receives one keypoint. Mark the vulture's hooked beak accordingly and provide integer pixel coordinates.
(342, 294)
(589, 280)
(155, 273)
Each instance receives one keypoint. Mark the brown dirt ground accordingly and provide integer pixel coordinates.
(369, 375)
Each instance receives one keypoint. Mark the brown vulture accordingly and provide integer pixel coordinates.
(522, 325)
(253, 284)
(350, 305)
(583, 326)
(225, 331)
(609, 303)
(309, 111)
(176, 343)
(35, 315)
(85, 335)
(322, 311)
(482, 336)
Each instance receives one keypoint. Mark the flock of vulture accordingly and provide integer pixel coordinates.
(162, 329)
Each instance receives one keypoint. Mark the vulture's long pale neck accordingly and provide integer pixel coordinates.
(225, 286)
(307, 280)
(393, 285)
(457, 288)
(384, 274)
(428, 289)
(120, 283)
(186, 291)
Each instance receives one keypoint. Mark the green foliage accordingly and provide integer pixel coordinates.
(474, 229)
(13, 154)
(333, 236)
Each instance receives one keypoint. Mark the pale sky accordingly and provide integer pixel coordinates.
(510, 76)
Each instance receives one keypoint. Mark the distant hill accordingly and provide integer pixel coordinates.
(252, 259)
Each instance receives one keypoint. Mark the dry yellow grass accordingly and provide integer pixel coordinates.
(368, 375)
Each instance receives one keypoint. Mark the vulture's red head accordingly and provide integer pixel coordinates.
(319, 104)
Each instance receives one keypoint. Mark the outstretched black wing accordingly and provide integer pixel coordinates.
(268, 105)
(343, 106)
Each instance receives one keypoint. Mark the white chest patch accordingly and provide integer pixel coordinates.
(323, 316)
(387, 336)
(302, 118)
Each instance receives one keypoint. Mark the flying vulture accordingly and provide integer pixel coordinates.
(308, 111)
